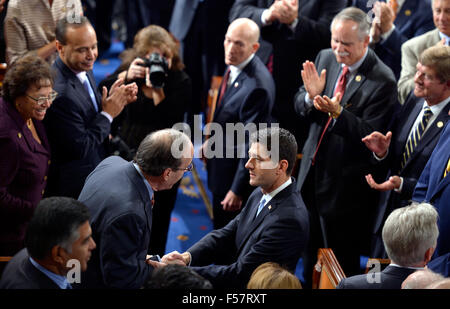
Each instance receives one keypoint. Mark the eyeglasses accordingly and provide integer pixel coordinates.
(189, 168)
(42, 100)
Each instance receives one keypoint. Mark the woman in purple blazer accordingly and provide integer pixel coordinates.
(24, 149)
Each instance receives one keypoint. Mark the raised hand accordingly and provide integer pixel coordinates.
(378, 143)
(231, 202)
(314, 84)
(392, 183)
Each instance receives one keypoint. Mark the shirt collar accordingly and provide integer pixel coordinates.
(82, 76)
(236, 69)
(447, 38)
(149, 188)
(271, 195)
(355, 66)
(59, 280)
(437, 108)
(396, 265)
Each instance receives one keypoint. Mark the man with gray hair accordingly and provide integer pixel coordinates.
(409, 235)
(119, 196)
(354, 94)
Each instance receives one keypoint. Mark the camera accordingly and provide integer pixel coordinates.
(158, 69)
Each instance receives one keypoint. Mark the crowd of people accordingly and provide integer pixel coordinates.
(341, 141)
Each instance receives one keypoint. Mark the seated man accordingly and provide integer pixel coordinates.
(409, 236)
(272, 227)
(58, 237)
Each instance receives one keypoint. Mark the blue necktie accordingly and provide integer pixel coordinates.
(261, 206)
(88, 87)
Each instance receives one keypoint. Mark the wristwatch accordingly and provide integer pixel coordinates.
(336, 114)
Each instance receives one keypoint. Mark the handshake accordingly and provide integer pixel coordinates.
(173, 257)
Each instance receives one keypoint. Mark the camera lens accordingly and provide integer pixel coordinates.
(157, 76)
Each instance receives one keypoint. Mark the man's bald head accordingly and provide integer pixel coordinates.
(241, 40)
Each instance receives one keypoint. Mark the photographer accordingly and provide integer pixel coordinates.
(156, 107)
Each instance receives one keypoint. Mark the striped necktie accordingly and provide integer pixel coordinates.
(447, 169)
(416, 135)
(261, 206)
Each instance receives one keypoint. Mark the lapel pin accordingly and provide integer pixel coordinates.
(358, 78)
(236, 84)
(19, 135)
(270, 207)
(408, 12)
(440, 124)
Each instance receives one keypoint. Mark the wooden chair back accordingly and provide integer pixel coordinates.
(213, 94)
(327, 272)
(2, 72)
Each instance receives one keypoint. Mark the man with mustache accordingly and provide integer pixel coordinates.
(354, 94)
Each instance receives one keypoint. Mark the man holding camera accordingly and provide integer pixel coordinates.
(79, 121)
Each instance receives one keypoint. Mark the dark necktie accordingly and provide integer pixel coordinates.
(223, 87)
(416, 135)
(340, 87)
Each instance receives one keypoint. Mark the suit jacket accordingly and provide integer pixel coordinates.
(77, 133)
(341, 162)
(278, 234)
(21, 274)
(248, 100)
(434, 189)
(411, 51)
(290, 49)
(403, 123)
(414, 18)
(121, 221)
(23, 175)
(390, 278)
(441, 265)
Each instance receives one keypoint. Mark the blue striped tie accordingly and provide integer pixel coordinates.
(261, 206)
(416, 135)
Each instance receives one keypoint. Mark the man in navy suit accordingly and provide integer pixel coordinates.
(79, 121)
(395, 25)
(432, 91)
(248, 99)
(272, 227)
(331, 177)
(292, 31)
(58, 234)
(409, 235)
(119, 196)
(434, 187)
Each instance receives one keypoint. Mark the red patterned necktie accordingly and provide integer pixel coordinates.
(223, 87)
(340, 87)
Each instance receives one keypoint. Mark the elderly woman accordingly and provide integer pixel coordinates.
(155, 109)
(24, 149)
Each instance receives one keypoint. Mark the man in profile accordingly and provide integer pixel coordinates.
(58, 237)
(119, 195)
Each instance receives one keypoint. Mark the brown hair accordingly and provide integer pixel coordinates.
(26, 71)
(271, 275)
(438, 58)
(152, 36)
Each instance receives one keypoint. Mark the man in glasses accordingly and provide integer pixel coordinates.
(119, 196)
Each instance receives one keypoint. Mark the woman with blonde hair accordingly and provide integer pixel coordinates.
(271, 275)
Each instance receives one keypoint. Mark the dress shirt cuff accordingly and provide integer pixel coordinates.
(308, 102)
(399, 190)
(107, 116)
(386, 35)
(264, 20)
(293, 25)
(190, 258)
(378, 158)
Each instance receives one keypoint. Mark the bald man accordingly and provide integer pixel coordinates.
(248, 96)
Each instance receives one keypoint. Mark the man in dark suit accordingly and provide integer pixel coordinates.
(273, 226)
(246, 98)
(58, 246)
(79, 121)
(119, 196)
(433, 187)
(394, 24)
(292, 31)
(416, 130)
(200, 26)
(409, 235)
(331, 178)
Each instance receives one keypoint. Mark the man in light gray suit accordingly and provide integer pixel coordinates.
(412, 49)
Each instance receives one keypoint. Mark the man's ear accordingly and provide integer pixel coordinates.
(59, 47)
(428, 255)
(57, 255)
(255, 47)
(284, 165)
(166, 174)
